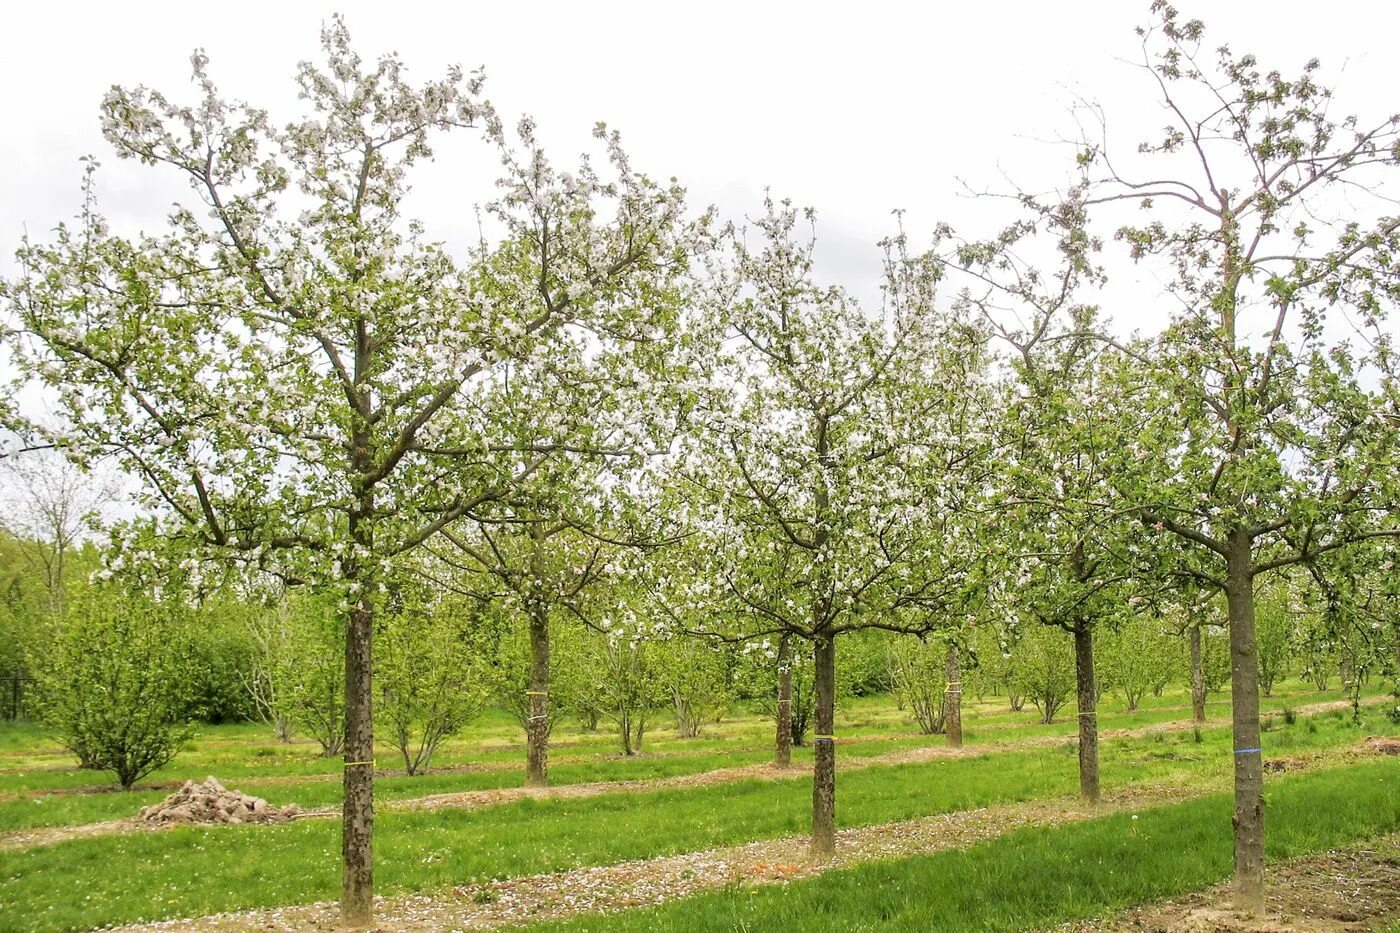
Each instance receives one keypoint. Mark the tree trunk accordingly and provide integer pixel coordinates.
(537, 723)
(687, 720)
(357, 840)
(1088, 712)
(1244, 698)
(1198, 678)
(625, 722)
(952, 721)
(824, 750)
(782, 745)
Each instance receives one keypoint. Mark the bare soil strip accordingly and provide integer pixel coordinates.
(477, 799)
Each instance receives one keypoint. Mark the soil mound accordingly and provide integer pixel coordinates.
(209, 802)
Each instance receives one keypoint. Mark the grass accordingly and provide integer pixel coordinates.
(168, 874)
(39, 786)
(71, 884)
(1036, 878)
(193, 871)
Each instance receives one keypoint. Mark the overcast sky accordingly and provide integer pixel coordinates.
(853, 108)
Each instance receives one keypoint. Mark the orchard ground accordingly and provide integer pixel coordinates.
(989, 837)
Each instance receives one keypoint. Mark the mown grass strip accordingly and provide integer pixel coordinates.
(1035, 878)
(195, 871)
(37, 809)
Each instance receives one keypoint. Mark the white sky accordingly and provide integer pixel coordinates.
(853, 108)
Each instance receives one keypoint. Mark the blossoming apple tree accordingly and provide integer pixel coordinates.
(832, 475)
(1269, 416)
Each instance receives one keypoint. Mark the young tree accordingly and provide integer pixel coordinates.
(694, 673)
(1262, 431)
(1043, 669)
(428, 683)
(270, 636)
(625, 678)
(917, 671)
(1139, 657)
(301, 378)
(307, 673)
(989, 670)
(1276, 630)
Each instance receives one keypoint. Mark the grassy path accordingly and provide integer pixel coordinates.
(477, 799)
(641, 883)
(40, 786)
(637, 883)
(1347, 890)
(1041, 877)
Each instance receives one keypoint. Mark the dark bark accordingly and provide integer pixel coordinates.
(537, 723)
(357, 838)
(1198, 678)
(357, 830)
(824, 750)
(1088, 712)
(782, 745)
(952, 719)
(1249, 758)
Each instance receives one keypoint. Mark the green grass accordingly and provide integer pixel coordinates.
(39, 786)
(1036, 878)
(166, 874)
(192, 871)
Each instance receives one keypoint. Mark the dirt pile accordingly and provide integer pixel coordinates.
(1382, 745)
(209, 802)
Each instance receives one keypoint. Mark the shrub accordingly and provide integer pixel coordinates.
(427, 682)
(918, 673)
(1042, 669)
(111, 683)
